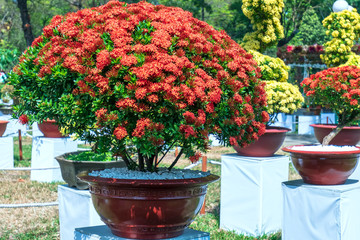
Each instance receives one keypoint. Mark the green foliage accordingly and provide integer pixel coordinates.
(311, 30)
(8, 57)
(91, 156)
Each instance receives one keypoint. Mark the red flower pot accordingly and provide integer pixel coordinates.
(3, 125)
(266, 145)
(347, 136)
(147, 209)
(324, 168)
(50, 129)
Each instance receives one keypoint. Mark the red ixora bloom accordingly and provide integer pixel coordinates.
(23, 119)
(336, 88)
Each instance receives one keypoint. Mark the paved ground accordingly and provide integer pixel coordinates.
(295, 139)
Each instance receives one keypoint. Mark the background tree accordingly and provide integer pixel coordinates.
(25, 19)
(311, 31)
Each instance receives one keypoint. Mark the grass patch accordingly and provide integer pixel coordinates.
(26, 148)
(48, 231)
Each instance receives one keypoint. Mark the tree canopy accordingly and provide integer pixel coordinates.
(299, 17)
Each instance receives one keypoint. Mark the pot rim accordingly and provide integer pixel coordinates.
(161, 183)
(276, 129)
(290, 150)
(48, 121)
(332, 126)
(3, 121)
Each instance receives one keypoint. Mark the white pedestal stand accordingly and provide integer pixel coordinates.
(304, 124)
(7, 152)
(356, 174)
(214, 141)
(327, 118)
(251, 198)
(12, 128)
(104, 233)
(44, 151)
(285, 120)
(321, 212)
(36, 131)
(75, 210)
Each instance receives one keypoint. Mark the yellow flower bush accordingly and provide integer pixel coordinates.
(282, 97)
(354, 60)
(271, 68)
(344, 27)
(265, 17)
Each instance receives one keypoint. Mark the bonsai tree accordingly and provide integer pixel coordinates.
(141, 78)
(337, 89)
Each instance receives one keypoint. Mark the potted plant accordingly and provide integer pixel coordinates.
(337, 89)
(136, 80)
(282, 97)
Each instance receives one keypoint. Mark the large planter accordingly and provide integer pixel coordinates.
(50, 129)
(347, 136)
(69, 169)
(266, 145)
(3, 125)
(147, 209)
(324, 168)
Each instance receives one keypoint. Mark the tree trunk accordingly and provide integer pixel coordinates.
(332, 134)
(25, 18)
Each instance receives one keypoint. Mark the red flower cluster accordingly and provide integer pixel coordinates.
(336, 88)
(155, 74)
(24, 119)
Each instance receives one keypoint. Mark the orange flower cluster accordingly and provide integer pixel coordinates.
(167, 75)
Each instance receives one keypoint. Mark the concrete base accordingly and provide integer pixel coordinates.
(285, 120)
(251, 198)
(304, 124)
(44, 151)
(104, 233)
(75, 210)
(7, 152)
(321, 212)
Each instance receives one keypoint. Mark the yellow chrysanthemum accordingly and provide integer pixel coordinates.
(344, 27)
(283, 97)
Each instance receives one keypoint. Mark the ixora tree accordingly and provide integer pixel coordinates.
(337, 89)
(141, 77)
(137, 80)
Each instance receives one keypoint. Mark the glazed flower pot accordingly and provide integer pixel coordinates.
(50, 129)
(69, 169)
(3, 125)
(347, 136)
(147, 209)
(324, 167)
(266, 145)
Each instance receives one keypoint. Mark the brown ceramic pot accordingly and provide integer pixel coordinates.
(266, 145)
(147, 209)
(69, 169)
(3, 125)
(324, 168)
(347, 136)
(50, 129)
